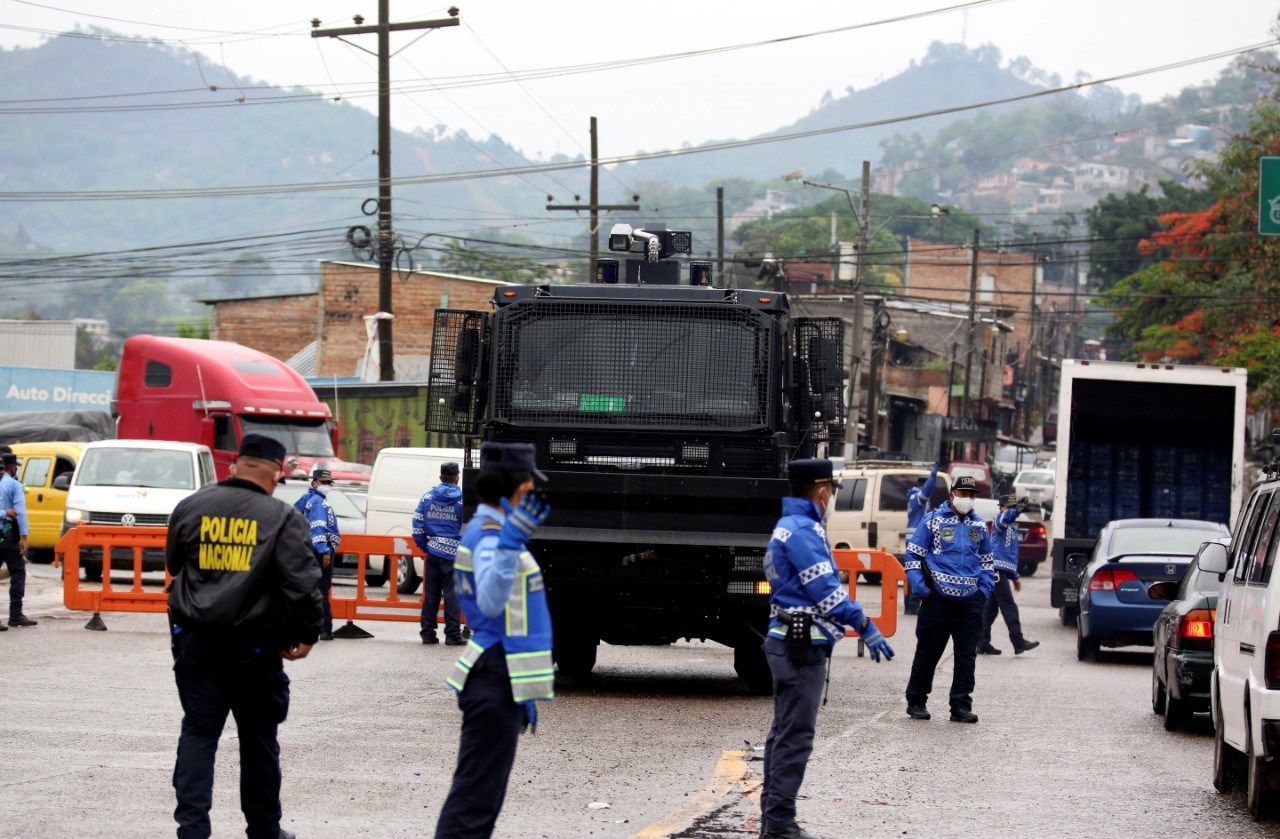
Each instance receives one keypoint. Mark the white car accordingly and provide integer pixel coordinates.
(1035, 485)
(350, 520)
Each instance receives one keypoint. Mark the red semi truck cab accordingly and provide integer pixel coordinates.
(215, 392)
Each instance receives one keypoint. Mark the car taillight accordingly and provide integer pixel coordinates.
(1110, 579)
(1271, 665)
(1197, 625)
(1036, 532)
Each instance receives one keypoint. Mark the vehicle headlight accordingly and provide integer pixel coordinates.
(76, 516)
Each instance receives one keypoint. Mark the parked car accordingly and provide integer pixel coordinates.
(1183, 637)
(1036, 485)
(46, 474)
(1010, 460)
(350, 520)
(1033, 536)
(1245, 688)
(980, 472)
(1115, 609)
(871, 507)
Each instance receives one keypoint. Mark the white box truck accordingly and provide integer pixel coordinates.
(1142, 441)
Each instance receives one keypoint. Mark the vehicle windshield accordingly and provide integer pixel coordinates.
(1035, 478)
(127, 467)
(974, 472)
(341, 504)
(606, 364)
(1159, 540)
(307, 438)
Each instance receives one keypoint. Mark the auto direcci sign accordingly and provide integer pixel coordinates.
(39, 389)
(1269, 196)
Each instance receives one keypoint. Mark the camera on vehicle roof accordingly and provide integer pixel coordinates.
(653, 240)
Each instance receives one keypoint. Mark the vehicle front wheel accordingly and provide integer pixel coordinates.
(1028, 569)
(1068, 615)
(870, 578)
(372, 580)
(576, 654)
(1157, 693)
(1260, 785)
(751, 665)
(1087, 649)
(407, 578)
(1226, 760)
(92, 571)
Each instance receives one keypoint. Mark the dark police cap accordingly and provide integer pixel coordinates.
(964, 482)
(262, 446)
(9, 459)
(449, 470)
(510, 457)
(322, 475)
(810, 471)
(1008, 500)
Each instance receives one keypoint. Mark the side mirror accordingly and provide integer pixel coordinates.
(1213, 558)
(1077, 562)
(1163, 590)
(63, 481)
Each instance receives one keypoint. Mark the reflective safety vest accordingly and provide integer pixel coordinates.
(524, 625)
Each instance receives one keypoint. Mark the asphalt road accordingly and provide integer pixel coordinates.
(665, 737)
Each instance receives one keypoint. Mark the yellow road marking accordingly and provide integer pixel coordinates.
(731, 773)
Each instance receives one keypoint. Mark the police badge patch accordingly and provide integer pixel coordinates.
(975, 535)
(946, 534)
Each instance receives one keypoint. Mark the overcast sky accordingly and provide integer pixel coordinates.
(734, 93)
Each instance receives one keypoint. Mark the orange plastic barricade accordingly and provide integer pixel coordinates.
(891, 574)
(392, 607)
(108, 598)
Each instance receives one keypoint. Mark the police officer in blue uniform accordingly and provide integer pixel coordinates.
(14, 530)
(325, 538)
(950, 562)
(506, 667)
(245, 595)
(437, 524)
(809, 610)
(1004, 535)
(918, 499)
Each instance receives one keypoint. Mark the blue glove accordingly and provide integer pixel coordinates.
(875, 642)
(522, 521)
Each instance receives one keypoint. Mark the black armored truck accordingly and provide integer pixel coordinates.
(664, 413)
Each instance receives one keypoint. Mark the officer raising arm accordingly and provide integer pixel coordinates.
(1004, 537)
(245, 594)
(809, 609)
(949, 562)
(918, 500)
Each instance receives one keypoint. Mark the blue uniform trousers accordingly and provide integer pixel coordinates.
(797, 693)
(12, 557)
(491, 725)
(940, 620)
(1002, 601)
(216, 677)
(326, 584)
(439, 583)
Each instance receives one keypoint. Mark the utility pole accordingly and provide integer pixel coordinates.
(973, 330)
(719, 231)
(859, 291)
(386, 238)
(1032, 372)
(594, 206)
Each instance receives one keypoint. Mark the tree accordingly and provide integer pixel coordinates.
(1118, 224)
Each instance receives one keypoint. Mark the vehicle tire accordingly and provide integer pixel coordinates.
(1157, 693)
(870, 578)
(751, 665)
(1087, 649)
(1027, 569)
(1068, 615)
(40, 556)
(92, 571)
(1226, 760)
(1175, 712)
(576, 655)
(1260, 784)
(407, 579)
(372, 580)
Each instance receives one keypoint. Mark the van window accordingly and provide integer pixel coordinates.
(893, 491)
(207, 473)
(852, 494)
(158, 374)
(1266, 543)
(1249, 536)
(63, 466)
(36, 472)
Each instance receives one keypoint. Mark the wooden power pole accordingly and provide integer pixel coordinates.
(594, 206)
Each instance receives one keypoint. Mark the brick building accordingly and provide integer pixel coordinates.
(332, 317)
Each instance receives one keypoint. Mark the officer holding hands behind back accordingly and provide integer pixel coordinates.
(950, 563)
(809, 610)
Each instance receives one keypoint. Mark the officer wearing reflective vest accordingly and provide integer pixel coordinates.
(950, 562)
(917, 505)
(506, 666)
(809, 610)
(1004, 535)
(315, 508)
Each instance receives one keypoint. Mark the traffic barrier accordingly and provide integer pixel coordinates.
(891, 574)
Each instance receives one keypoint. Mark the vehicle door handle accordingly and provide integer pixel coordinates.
(40, 496)
(1246, 649)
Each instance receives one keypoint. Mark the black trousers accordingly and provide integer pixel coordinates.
(439, 583)
(1002, 601)
(216, 677)
(11, 557)
(491, 725)
(797, 693)
(940, 620)
(326, 585)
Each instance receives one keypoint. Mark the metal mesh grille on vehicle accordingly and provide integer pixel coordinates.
(139, 519)
(453, 395)
(817, 368)
(594, 363)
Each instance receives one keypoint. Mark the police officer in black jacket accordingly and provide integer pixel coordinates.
(245, 595)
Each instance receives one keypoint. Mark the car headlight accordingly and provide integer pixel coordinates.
(75, 516)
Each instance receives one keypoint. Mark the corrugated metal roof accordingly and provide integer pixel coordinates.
(38, 343)
(304, 361)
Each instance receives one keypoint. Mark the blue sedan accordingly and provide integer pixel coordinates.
(1131, 554)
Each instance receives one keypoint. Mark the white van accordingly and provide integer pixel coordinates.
(1245, 688)
(401, 476)
(135, 483)
(871, 506)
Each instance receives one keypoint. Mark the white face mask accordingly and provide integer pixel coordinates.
(322, 489)
(830, 508)
(962, 505)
